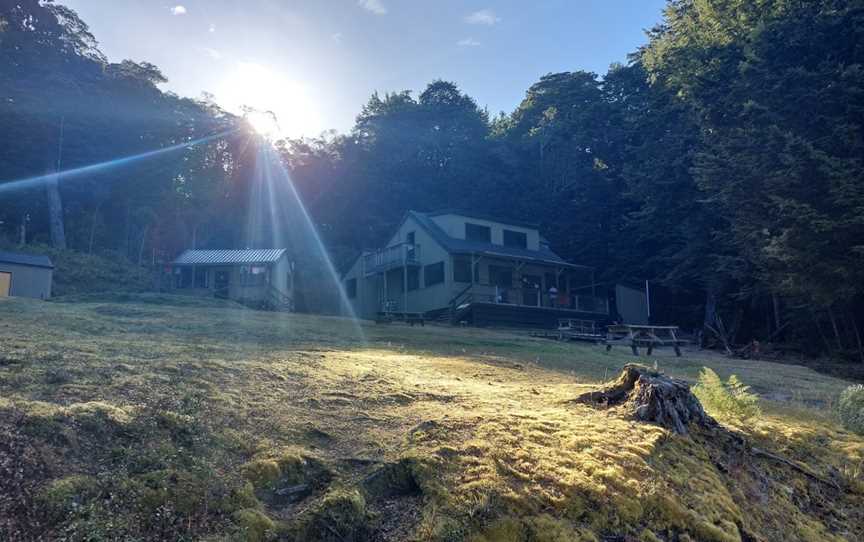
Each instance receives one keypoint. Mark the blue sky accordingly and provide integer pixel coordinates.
(316, 62)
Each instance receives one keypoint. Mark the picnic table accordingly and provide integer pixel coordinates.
(635, 336)
(410, 318)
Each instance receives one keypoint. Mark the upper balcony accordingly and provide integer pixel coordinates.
(382, 260)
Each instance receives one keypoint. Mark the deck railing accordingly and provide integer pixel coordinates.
(487, 293)
(390, 257)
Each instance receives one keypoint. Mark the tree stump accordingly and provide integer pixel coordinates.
(651, 396)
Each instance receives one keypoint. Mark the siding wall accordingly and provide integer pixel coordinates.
(29, 281)
(454, 226)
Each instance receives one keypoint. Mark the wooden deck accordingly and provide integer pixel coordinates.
(521, 316)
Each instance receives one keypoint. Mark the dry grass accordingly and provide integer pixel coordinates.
(153, 417)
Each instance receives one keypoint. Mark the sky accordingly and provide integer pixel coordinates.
(314, 63)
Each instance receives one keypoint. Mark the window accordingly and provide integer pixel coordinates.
(409, 237)
(501, 276)
(253, 275)
(515, 239)
(413, 278)
(351, 288)
(462, 270)
(551, 280)
(434, 274)
(476, 232)
(200, 277)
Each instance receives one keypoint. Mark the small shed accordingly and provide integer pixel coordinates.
(25, 275)
(259, 277)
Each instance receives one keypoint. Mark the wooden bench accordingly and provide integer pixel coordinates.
(580, 330)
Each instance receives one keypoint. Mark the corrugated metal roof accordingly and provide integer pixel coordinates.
(32, 260)
(229, 257)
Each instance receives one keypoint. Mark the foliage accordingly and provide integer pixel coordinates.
(730, 400)
(850, 408)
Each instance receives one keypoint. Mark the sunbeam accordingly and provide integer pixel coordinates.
(32, 182)
(278, 218)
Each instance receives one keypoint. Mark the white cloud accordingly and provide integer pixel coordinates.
(179, 10)
(374, 6)
(212, 28)
(468, 42)
(337, 37)
(484, 16)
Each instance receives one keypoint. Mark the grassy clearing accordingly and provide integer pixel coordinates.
(156, 417)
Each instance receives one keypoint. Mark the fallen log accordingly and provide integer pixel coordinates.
(651, 396)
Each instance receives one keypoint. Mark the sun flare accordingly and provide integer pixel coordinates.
(277, 106)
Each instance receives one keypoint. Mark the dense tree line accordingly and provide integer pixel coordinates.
(722, 162)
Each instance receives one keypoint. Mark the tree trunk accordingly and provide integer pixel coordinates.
(22, 230)
(825, 341)
(836, 330)
(92, 231)
(55, 213)
(141, 246)
(651, 396)
(775, 302)
(857, 336)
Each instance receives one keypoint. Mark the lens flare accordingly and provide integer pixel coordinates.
(277, 218)
(34, 182)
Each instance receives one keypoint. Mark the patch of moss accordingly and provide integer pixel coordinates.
(254, 525)
(341, 516)
(286, 467)
(262, 473)
(541, 528)
(64, 495)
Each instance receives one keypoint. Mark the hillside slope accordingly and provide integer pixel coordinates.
(152, 418)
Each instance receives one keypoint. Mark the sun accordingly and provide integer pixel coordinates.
(265, 123)
(272, 103)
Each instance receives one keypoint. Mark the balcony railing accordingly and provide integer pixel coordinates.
(526, 297)
(391, 257)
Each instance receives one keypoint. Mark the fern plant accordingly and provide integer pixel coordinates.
(731, 400)
(850, 408)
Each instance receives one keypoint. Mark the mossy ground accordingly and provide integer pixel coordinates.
(152, 417)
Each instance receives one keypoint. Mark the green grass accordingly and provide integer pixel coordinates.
(161, 417)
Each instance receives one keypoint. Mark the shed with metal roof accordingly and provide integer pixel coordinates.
(262, 278)
(25, 275)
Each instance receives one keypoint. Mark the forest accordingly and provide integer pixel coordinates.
(723, 162)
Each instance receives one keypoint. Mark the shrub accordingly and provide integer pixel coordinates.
(730, 400)
(850, 408)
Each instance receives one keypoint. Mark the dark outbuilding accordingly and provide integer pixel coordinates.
(25, 275)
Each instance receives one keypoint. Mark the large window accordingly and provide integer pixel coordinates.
(476, 232)
(462, 270)
(515, 239)
(351, 288)
(501, 276)
(433, 274)
(253, 275)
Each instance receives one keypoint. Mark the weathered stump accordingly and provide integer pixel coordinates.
(651, 396)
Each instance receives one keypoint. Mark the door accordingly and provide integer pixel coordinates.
(531, 290)
(221, 282)
(5, 284)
